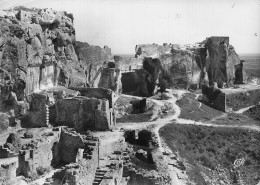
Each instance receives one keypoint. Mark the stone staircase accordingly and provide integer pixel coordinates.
(90, 145)
(99, 175)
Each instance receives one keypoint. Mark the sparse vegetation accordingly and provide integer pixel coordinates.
(216, 148)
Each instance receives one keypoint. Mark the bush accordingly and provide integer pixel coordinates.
(205, 161)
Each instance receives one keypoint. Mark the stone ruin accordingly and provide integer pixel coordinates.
(211, 65)
(49, 79)
(76, 154)
(219, 61)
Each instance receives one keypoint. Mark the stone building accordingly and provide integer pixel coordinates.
(84, 113)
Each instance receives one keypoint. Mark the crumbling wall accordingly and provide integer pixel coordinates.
(110, 79)
(73, 147)
(84, 113)
(65, 151)
(128, 64)
(98, 93)
(26, 163)
(36, 116)
(36, 157)
(146, 50)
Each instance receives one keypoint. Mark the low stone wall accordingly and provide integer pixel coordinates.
(231, 99)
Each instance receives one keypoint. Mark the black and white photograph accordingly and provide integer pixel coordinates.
(129, 92)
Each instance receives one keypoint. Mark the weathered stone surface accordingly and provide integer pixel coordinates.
(36, 116)
(92, 58)
(148, 50)
(178, 68)
(4, 122)
(73, 147)
(99, 93)
(219, 68)
(128, 64)
(32, 39)
(84, 113)
(15, 140)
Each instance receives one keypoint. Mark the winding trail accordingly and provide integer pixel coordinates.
(156, 125)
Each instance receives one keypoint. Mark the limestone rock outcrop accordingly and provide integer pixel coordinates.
(178, 68)
(223, 64)
(92, 58)
(148, 50)
(37, 47)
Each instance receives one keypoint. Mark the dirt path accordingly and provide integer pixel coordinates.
(155, 126)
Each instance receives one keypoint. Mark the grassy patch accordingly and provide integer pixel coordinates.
(193, 109)
(215, 148)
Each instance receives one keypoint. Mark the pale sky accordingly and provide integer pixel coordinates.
(121, 24)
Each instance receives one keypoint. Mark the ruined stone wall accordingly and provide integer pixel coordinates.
(66, 149)
(110, 79)
(73, 147)
(34, 39)
(84, 113)
(38, 157)
(129, 64)
(146, 50)
(36, 116)
(98, 93)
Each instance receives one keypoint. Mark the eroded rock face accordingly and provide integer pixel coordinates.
(4, 120)
(178, 68)
(148, 50)
(92, 58)
(37, 46)
(223, 63)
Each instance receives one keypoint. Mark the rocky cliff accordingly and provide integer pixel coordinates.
(223, 64)
(37, 47)
(92, 58)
